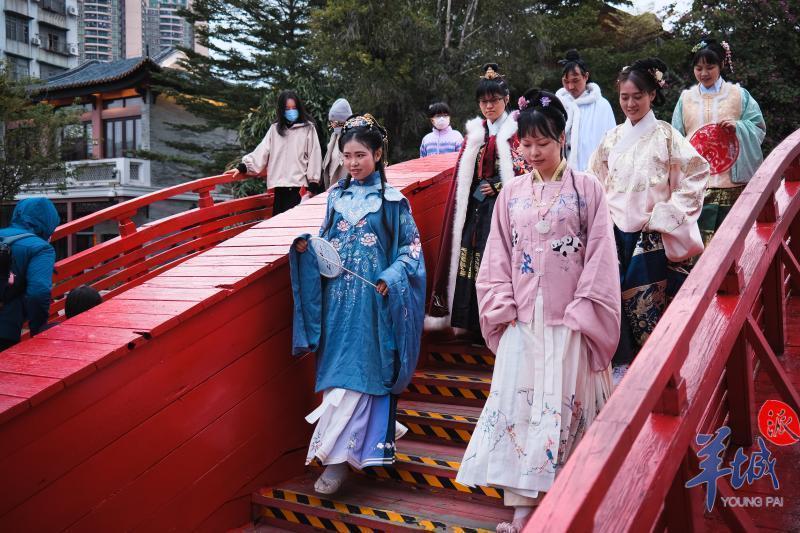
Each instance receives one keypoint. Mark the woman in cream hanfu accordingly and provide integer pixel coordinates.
(549, 298)
(716, 101)
(589, 114)
(654, 181)
(487, 161)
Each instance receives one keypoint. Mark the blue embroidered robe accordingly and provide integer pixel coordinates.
(365, 342)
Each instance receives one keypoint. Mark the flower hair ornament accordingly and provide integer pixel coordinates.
(522, 103)
(545, 101)
(728, 56)
(699, 46)
(658, 76)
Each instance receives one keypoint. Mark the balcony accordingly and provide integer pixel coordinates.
(18, 6)
(94, 174)
(56, 6)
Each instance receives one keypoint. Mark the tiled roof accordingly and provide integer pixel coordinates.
(94, 72)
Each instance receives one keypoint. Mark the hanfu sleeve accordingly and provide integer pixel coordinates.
(314, 154)
(677, 117)
(257, 160)
(596, 308)
(750, 132)
(496, 304)
(405, 278)
(598, 163)
(688, 177)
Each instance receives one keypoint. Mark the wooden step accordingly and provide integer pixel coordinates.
(438, 422)
(463, 387)
(365, 505)
(433, 466)
(459, 354)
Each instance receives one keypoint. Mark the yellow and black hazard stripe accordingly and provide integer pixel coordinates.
(430, 430)
(449, 392)
(355, 510)
(462, 358)
(317, 522)
(427, 461)
(437, 416)
(399, 473)
(456, 377)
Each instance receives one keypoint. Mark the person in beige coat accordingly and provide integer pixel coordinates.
(290, 153)
(333, 164)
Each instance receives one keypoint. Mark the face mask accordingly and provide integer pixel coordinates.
(291, 114)
(441, 123)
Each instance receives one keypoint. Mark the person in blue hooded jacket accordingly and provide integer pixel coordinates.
(33, 259)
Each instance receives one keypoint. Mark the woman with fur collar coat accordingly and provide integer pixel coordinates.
(488, 159)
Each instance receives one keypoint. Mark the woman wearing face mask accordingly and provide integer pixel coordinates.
(443, 139)
(289, 152)
(550, 309)
(654, 181)
(333, 165)
(488, 160)
(716, 101)
(590, 115)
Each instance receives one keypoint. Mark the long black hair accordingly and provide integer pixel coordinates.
(644, 74)
(492, 82)
(543, 114)
(365, 130)
(280, 107)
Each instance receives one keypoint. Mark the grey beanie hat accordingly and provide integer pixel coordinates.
(340, 110)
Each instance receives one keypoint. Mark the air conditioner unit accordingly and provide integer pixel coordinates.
(72, 10)
(73, 49)
(36, 41)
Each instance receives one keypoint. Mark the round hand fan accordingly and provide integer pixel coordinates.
(330, 264)
(717, 145)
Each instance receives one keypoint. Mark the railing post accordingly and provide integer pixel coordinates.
(673, 398)
(741, 393)
(733, 284)
(681, 509)
(126, 224)
(793, 172)
(772, 296)
(205, 200)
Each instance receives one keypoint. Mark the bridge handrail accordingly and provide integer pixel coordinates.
(124, 211)
(654, 384)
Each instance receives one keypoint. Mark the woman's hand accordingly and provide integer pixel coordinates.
(728, 124)
(382, 288)
(300, 245)
(487, 190)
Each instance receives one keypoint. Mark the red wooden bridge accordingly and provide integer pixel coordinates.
(175, 404)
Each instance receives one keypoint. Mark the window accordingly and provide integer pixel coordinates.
(76, 142)
(57, 6)
(123, 136)
(123, 102)
(53, 39)
(48, 71)
(20, 67)
(17, 28)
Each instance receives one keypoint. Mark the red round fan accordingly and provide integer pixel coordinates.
(719, 146)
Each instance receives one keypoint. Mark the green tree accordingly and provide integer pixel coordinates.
(765, 41)
(30, 138)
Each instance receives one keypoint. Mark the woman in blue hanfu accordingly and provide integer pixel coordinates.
(366, 338)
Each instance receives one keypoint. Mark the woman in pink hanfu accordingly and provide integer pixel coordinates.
(549, 298)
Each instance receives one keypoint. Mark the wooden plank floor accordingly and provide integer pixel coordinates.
(787, 466)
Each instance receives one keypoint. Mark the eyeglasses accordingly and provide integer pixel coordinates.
(492, 101)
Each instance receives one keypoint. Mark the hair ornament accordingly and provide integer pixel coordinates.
(545, 101)
(728, 55)
(659, 77)
(364, 121)
(522, 103)
(699, 46)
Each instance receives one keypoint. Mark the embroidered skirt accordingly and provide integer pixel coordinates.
(473, 243)
(543, 397)
(649, 282)
(355, 428)
(717, 203)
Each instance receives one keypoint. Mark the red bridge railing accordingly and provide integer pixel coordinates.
(140, 253)
(694, 375)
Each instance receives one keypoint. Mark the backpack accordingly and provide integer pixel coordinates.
(8, 288)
